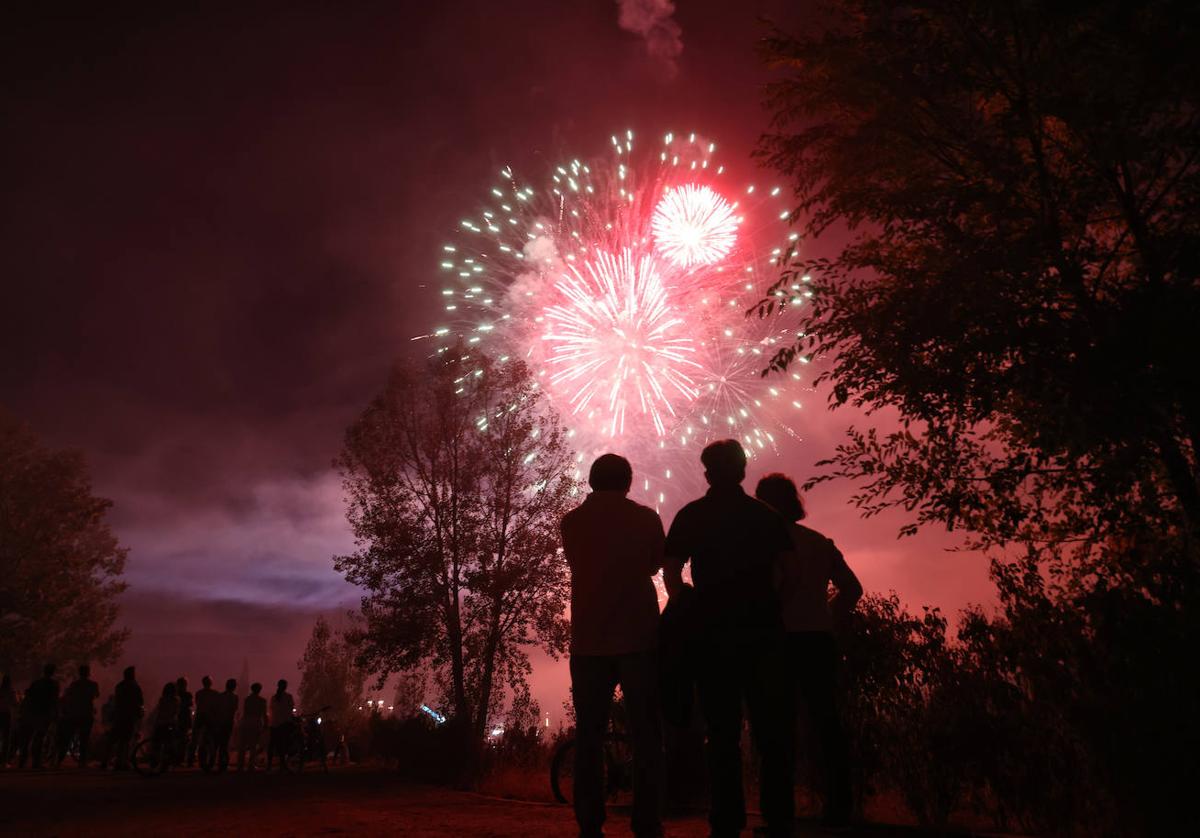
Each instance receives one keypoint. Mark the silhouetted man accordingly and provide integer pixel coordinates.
(614, 547)
(128, 708)
(283, 711)
(78, 714)
(202, 723)
(183, 729)
(809, 618)
(38, 710)
(734, 543)
(254, 721)
(226, 709)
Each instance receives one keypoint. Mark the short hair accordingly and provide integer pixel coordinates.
(779, 492)
(282, 685)
(256, 688)
(231, 683)
(129, 671)
(181, 682)
(84, 670)
(206, 681)
(610, 472)
(169, 689)
(724, 461)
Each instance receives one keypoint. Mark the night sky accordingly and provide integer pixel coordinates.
(217, 231)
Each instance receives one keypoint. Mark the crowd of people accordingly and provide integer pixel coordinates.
(42, 726)
(755, 628)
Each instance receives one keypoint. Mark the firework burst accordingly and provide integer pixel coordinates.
(623, 282)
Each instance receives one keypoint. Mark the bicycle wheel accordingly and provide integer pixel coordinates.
(562, 772)
(150, 758)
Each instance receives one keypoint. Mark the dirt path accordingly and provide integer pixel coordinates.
(358, 802)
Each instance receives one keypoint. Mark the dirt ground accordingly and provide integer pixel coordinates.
(351, 801)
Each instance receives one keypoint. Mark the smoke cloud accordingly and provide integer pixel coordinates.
(652, 21)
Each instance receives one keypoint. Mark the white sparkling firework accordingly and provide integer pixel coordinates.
(693, 225)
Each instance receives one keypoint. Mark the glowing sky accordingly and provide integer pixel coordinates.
(217, 232)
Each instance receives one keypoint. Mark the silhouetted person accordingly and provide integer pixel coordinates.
(225, 711)
(166, 714)
(38, 710)
(206, 707)
(128, 709)
(183, 728)
(283, 710)
(809, 617)
(254, 721)
(614, 547)
(8, 708)
(734, 543)
(78, 714)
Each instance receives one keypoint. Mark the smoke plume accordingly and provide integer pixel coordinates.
(652, 21)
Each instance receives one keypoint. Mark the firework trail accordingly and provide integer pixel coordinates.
(624, 283)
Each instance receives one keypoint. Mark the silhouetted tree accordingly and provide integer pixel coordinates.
(1021, 185)
(329, 675)
(1013, 190)
(60, 564)
(457, 476)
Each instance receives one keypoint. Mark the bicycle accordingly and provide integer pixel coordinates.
(618, 768)
(154, 754)
(306, 742)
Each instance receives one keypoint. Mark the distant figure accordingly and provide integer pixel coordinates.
(78, 714)
(183, 728)
(734, 543)
(809, 617)
(202, 722)
(614, 547)
(8, 706)
(283, 710)
(166, 714)
(254, 721)
(226, 710)
(128, 709)
(38, 709)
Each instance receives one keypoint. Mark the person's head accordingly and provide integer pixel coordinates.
(282, 685)
(610, 473)
(724, 463)
(181, 684)
(207, 682)
(169, 689)
(48, 670)
(85, 671)
(130, 673)
(779, 492)
(256, 688)
(230, 685)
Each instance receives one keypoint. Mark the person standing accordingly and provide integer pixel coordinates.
(38, 710)
(183, 728)
(614, 547)
(226, 710)
(78, 714)
(202, 724)
(254, 721)
(128, 709)
(734, 544)
(283, 710)
(809, 618)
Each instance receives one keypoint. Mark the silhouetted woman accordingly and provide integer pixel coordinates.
(809, 616)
